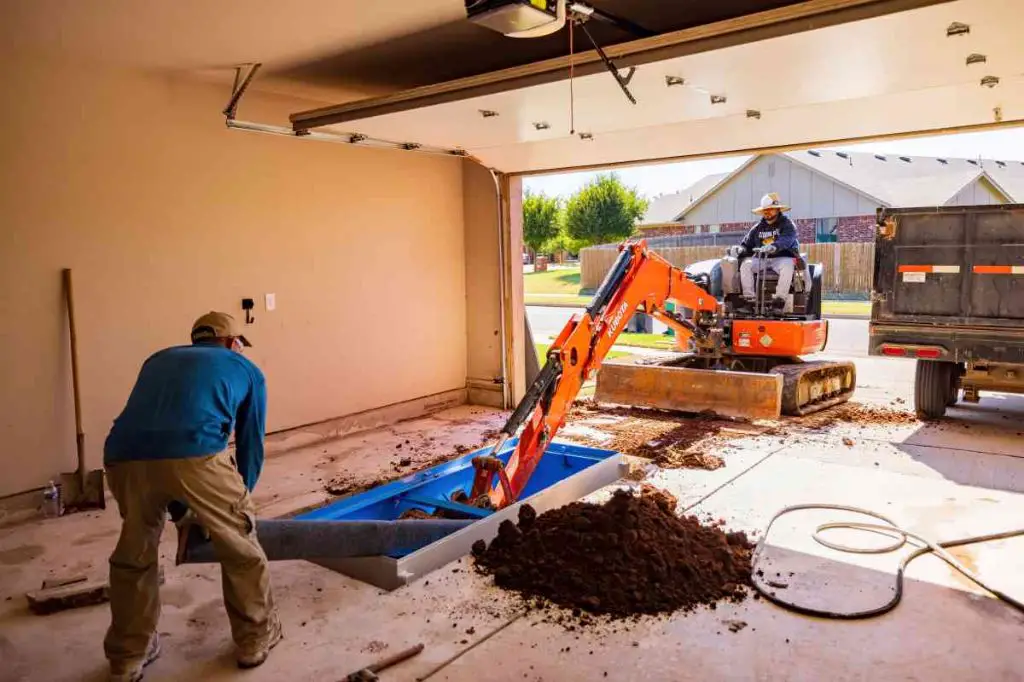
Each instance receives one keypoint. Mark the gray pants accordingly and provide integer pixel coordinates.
(783, 265)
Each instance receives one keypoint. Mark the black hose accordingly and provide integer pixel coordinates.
(891, 529)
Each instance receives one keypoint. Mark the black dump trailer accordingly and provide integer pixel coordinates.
(949, 292)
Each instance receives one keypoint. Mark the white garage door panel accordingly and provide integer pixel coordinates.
(903, 113)
(892, 74)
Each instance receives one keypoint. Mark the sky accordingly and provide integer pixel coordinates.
(1006, 144)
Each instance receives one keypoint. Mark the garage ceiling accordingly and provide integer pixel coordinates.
(893, 74)
(457, 48)
(322, 46)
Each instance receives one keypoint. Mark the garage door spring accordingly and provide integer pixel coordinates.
(890, 529)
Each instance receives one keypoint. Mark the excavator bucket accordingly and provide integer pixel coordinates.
(746, 395)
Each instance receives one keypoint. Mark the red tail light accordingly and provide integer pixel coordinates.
(894, 351)
(928, 353)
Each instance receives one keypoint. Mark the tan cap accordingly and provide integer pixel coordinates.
(214, 325)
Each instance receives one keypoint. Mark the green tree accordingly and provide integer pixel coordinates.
(540, 219)
(561, 241)
(603, 211)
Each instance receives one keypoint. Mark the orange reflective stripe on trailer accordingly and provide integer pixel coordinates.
(999, 269)
(940, 269)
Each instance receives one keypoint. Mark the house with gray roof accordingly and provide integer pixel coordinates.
(833, 195)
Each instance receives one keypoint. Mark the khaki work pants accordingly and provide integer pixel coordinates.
(783, 265)
(212, 488)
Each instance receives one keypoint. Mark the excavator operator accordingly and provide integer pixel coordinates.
(774, 240)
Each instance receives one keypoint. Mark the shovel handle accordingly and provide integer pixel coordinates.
(395, 658)
(80, 436)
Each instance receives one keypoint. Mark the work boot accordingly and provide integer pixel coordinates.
(746, 303)
(254, 655)
(132, 672)
(778, 304)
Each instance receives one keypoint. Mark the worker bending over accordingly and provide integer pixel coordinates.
(774, 240)
(168, 448)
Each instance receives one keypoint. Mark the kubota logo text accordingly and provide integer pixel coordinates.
(618, 318)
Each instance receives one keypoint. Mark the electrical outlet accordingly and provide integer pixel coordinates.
(271, 301)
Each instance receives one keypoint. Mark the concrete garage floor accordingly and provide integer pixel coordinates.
(960, 477)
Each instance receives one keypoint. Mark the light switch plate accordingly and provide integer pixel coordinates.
(271, 301)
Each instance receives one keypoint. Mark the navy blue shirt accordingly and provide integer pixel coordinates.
(782, 233)
(186, 402)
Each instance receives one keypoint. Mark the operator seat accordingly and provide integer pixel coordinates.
(804, 298)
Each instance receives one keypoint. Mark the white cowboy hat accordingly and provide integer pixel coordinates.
(770, 200)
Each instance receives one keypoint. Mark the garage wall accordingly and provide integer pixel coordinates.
(163, 214)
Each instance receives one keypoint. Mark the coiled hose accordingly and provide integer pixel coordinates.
(891, 529)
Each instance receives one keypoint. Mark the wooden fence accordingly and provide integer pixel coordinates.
(848, 266)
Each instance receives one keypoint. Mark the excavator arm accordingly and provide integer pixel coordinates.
(638, 280)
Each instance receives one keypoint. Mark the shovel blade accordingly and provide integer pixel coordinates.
(78, 494)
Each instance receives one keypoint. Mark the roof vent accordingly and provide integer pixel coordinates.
(1001, 164)
(842, 155)
(879, 157)
(942, 161)
(905, 159)
(813, 153)
(972, 161)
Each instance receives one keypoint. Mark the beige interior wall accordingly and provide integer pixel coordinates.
(133, 181)
(483, 286)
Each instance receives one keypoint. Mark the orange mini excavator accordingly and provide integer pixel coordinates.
(740, 361)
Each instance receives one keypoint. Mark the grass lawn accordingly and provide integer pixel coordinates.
(862, 308)
(563, 281)
(659, 341)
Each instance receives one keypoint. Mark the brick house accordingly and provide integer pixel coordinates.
(833, 195)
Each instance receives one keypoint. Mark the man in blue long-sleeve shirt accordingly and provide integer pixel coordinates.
(168, 450)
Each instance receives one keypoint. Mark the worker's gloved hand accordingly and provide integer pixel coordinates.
(735, 251)
(767, 249)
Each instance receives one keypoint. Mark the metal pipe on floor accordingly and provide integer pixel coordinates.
(289, 539)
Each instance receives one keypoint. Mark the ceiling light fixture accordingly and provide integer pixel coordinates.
(957, 29)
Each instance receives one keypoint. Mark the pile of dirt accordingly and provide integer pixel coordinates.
(859, 414)
(627, 557)
(671, 440)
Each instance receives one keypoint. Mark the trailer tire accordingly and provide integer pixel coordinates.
(954, 385)
(932, 388)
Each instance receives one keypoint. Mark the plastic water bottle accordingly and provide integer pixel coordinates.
(51, 501)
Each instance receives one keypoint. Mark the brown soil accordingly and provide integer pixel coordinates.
(627, 557)
(856, 413)
(671, 440)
